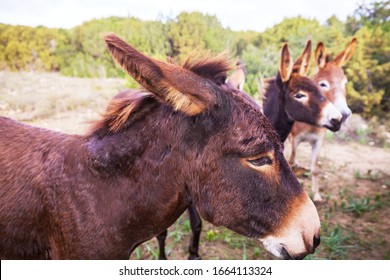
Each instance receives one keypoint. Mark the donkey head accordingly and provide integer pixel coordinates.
(237, 77)
(331, 78)
(303, 99)
(222, 153)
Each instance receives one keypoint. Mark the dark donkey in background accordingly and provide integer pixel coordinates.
(188, 138)
(289, 97)
(237, 78)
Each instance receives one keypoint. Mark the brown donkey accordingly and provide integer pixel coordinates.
(237, 78)
(188, 138)
(291, 96)
(332, 80)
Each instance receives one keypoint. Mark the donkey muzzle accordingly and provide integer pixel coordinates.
(331, 117)
(334, 125)
(299, 235)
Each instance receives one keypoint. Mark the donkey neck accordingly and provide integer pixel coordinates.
(274, 103)
(138, 165)
(120, 185)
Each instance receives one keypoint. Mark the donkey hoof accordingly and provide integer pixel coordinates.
(317, 198)
(194, 257)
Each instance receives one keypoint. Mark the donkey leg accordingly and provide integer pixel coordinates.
(196, 228)
(316, 146)
(161, 245)
(294, 146)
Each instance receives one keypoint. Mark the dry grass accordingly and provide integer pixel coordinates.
(44, 98)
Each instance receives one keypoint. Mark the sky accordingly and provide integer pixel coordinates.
(234, 14)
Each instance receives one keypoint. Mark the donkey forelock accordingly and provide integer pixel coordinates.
(211, 67)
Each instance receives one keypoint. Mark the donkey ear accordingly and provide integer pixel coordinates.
(346, 54)
(320, 55)
(182, 89)
(171, 60)
(302, 65)
(286, 64)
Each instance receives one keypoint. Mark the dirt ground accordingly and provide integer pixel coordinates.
(354, 178)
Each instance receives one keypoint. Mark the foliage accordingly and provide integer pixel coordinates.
(87, 56)
(80, 51)
(195, 31)
(358, 206)
(336, 243)
(368, 71)
(27, 48)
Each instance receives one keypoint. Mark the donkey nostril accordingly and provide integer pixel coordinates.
(335, 122)
(316, 241)
(345, 116)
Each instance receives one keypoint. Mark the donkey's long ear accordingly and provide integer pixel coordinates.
(286, 64)
(182, 89)
(346, 54)
(320, 55)
(302, 65)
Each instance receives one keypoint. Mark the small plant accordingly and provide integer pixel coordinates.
(244, 253)
(329, 136)
(152, 251)
(145, 250)
(382, 200)
(256, 252)
(363, 135)
(344, 191)
(358, 206)
(137, 253)
(211, 235)
(370, 175)
(335, 243)
(187, 226)
(358, 175)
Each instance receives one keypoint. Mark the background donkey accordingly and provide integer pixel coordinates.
(332, 80)
(188, 138)
(293, 97)
(237, 77)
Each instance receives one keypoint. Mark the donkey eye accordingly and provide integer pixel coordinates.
(324, 84)
(260, 161)
(299, 95)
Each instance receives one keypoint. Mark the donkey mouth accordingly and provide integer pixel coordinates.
(345, 117)
(334, 125)
(286, 256)
(280, 250)
(283, 253)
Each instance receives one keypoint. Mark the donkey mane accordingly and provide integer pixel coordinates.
(130, 107)
(214, 68)
(269, 86)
